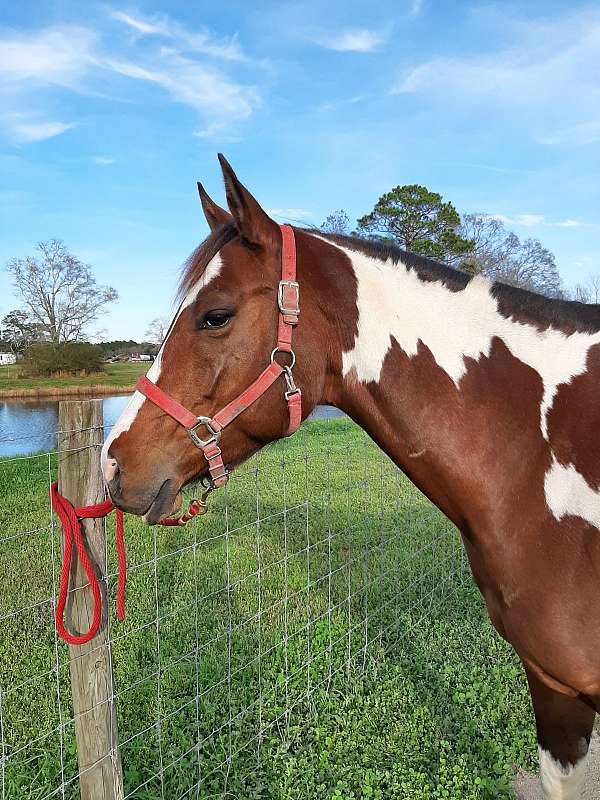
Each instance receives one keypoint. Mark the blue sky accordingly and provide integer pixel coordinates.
(109, 113)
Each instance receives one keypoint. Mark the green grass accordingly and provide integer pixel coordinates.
(116, 375)
(361, 665)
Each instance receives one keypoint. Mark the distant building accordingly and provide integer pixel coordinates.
(140, 357)
(8, 358)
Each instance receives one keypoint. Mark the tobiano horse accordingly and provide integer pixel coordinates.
(485, 395)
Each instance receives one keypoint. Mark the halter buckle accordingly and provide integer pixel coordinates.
(202, 443)
(288, 293)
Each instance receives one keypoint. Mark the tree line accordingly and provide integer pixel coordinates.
(420, 221)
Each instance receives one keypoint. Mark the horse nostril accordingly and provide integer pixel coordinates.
(111, 469)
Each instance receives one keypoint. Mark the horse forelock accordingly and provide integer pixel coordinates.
(196, 264)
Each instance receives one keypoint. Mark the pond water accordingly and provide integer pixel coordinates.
(30, 426)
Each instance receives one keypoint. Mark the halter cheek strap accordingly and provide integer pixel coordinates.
(288, 300)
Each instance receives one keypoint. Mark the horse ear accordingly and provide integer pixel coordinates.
(215, 215)
(254, 224)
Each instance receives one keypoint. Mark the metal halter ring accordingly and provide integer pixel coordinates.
(214, 437)
(289, 352)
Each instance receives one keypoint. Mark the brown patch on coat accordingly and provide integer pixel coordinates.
(574, 421)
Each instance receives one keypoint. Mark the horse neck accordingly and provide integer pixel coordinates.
(406, 377)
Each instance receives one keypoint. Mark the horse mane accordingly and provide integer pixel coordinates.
(426, 268)
(522, 305)
(195, 265)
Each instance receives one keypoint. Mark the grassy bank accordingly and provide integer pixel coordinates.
(315, 636)
(116, 379)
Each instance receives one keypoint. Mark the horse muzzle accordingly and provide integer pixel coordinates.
(153, 501)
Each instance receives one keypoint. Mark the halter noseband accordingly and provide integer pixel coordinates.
(288, 300)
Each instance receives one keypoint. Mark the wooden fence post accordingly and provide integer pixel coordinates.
(80, 481)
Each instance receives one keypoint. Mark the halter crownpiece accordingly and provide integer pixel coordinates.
(288, 301)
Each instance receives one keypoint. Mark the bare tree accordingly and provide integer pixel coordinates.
(588, 292)
(580, 293)
(533, 267)
(500, 255)
(59, 291)
(157, 330)
(493, 245)
(337, 222)
(593, 284)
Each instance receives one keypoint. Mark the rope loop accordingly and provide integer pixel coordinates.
(70, 520)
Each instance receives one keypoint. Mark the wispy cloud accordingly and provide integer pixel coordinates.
(551, 69)
(103, 161)
(188, 80)
(416, 7)
(334, 105)
(582, 134)
(295, 214)
(217, 132)
(138, 24)
(195, 84)
(530, 220)
(356, 41)
(53, 57)
(201, 41)
(533, 220)
(25, 127)
(37, 131)
(77, 59)
(568, 223)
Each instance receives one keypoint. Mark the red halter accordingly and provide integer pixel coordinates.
(289, 311)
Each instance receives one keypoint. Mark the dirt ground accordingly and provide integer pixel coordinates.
(527, 787)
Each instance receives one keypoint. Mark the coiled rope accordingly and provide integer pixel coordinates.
(70, 520)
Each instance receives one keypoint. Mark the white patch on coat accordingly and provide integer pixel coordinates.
(558, 782)
(394, 302)
(137, 400)
(569, 494)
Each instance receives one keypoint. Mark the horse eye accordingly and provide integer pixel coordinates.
(215, 319)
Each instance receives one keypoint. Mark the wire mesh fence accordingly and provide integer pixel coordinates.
(318, 560)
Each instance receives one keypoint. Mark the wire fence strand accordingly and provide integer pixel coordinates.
(317, 561)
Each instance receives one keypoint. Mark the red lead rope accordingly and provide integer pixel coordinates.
(70, 522)
(288, 302)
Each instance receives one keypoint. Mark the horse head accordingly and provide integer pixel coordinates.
(223, 335)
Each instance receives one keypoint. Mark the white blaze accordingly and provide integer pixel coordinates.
(137, 400)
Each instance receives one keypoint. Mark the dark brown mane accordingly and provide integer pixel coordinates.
(426, 268)
(194, 267)
(519, 304)
(568, 316)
